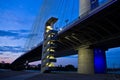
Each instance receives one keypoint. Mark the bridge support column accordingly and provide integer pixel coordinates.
(99, 60)
(91, 61)
(85, 61)
(87, 5)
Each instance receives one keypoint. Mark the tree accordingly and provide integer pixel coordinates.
(69, 67)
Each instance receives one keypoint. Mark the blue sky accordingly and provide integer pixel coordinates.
(16, 20)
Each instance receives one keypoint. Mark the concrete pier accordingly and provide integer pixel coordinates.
(91, 61)
(85, 61)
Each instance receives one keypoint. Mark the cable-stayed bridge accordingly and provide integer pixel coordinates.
(91, 33)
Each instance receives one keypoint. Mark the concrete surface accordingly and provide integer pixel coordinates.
(36, 75)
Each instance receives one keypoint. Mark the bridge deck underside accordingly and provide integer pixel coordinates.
(100, 30)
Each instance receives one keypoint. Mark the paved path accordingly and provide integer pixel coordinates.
(20, 77)
(32, 75)
(74, 76)
(16, 75)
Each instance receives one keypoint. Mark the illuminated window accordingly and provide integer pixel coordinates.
(52, 50)
(47, 56)
(51, 65)
(52, 35)
(52, 57)
(49, 28)
(48, 49)
(47, 64)
(48, 42)
(52, 42)
(49, 35)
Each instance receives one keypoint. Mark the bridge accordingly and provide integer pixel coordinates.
(89, 36)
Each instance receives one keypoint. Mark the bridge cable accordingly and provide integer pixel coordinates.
(29, 41)
(58, 11)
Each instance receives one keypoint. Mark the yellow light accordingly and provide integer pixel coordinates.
(51, 65)
(52, 57)
(47, 56)
(48, 42)
(49, 28)
(48, 49)
(52, 43)
(52, 50)
(47, 64)
(49, 35)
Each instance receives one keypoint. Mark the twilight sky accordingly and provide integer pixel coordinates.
(16, 20)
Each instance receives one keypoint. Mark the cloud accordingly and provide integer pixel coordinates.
(15, 34)
(8, 33)
(12, 19)
(20, 31)
(14, 49)
(9, 41)
(9, 57)
(1, 53)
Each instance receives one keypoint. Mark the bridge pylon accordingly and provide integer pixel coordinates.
(91, 60)
(85, 6)
(48, 50)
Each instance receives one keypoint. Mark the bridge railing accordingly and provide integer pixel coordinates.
(88, 13)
